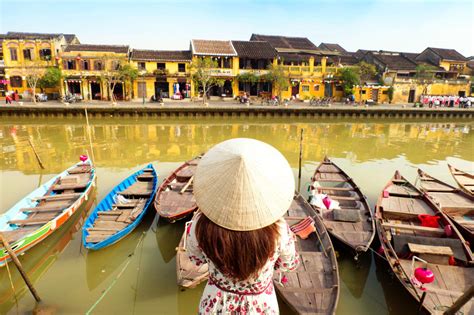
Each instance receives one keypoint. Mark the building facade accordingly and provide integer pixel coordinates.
(163, 73)
(90, 71)
(25, 54)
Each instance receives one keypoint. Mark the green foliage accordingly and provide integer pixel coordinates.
(390, 92)
(424, 76)
(127, 72)
(366, 71)
(248, 77)
(51, 78)
(202, 75)
(350, 77)
(276, 75)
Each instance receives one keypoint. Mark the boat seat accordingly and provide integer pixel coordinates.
(400, 244)
(346, 215)
(429, 249)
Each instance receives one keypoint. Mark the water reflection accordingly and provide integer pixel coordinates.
(368, 151)
(122, 145)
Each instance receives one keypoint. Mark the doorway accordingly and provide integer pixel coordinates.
(141, 89)
(74, 87)
(375, 95)
(95, 91)
(162, 88)
(295, 88)
(327, 89)
(118, 91)
(411, 96)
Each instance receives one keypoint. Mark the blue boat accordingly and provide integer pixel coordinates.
(120, 212)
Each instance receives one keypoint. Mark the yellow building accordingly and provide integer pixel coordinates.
(224, 54)
(87, 69)
(162, 72)
(399, 70)
(30, 53)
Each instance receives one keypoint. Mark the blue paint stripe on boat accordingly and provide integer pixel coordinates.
(106, 204)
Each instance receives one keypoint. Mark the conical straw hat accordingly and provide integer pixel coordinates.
(243, 184)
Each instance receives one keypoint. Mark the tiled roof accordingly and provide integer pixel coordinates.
(297, 43)
(161, 55)
(395, 61)
(332, 47)
(69, 37)
(212, 47)
(103, 48)
(448, 54)
(345, 59)
(24, 35)
(254, 49)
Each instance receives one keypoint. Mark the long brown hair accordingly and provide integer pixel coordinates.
(237, 254)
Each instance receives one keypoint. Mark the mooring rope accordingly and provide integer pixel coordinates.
(116, 278)
(138, 276)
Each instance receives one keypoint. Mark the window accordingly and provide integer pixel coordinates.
(364, 91)
(181, 67)
(385, 92)
(161, 66)
(305, 88)
(227, 62)
(28, 54)
(339, 88)
(115, 64)
(45, 54)
(141, 66)
(85, 65)
(98, 65)
(15, 81)
(13, 54)
(69, 64)
(316, 87)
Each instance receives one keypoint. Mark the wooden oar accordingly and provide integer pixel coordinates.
(187, 185)
(19, 267)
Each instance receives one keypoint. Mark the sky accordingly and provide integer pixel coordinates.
(397, 25)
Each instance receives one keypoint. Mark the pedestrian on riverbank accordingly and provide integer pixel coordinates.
(240, 232)
(8, 99)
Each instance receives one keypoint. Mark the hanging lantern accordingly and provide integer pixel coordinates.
(424, 275)
(57, 57)
(78, 57)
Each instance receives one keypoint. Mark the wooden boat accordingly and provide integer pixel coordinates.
(188, 274)
(121, 210)
(47, 208)
(313, 288)
(353, 223)
(174, 198)
(464, 179)
(457, 204)
(39, 259)
(402, 237)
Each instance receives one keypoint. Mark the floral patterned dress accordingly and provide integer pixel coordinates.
(224, 295)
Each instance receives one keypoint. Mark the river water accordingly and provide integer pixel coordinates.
(137, 275)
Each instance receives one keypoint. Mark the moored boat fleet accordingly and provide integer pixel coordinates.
(425, 230)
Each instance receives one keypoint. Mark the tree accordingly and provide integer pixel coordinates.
(34, 74)
(202, 75)
(424, 76)
(390, 92)
(350, 78)
(248, 77)
(366, 71)
(51, 78)
(116, 72)
(276, 75)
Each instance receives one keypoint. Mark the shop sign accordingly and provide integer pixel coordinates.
(256, 72)
(220, 72)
